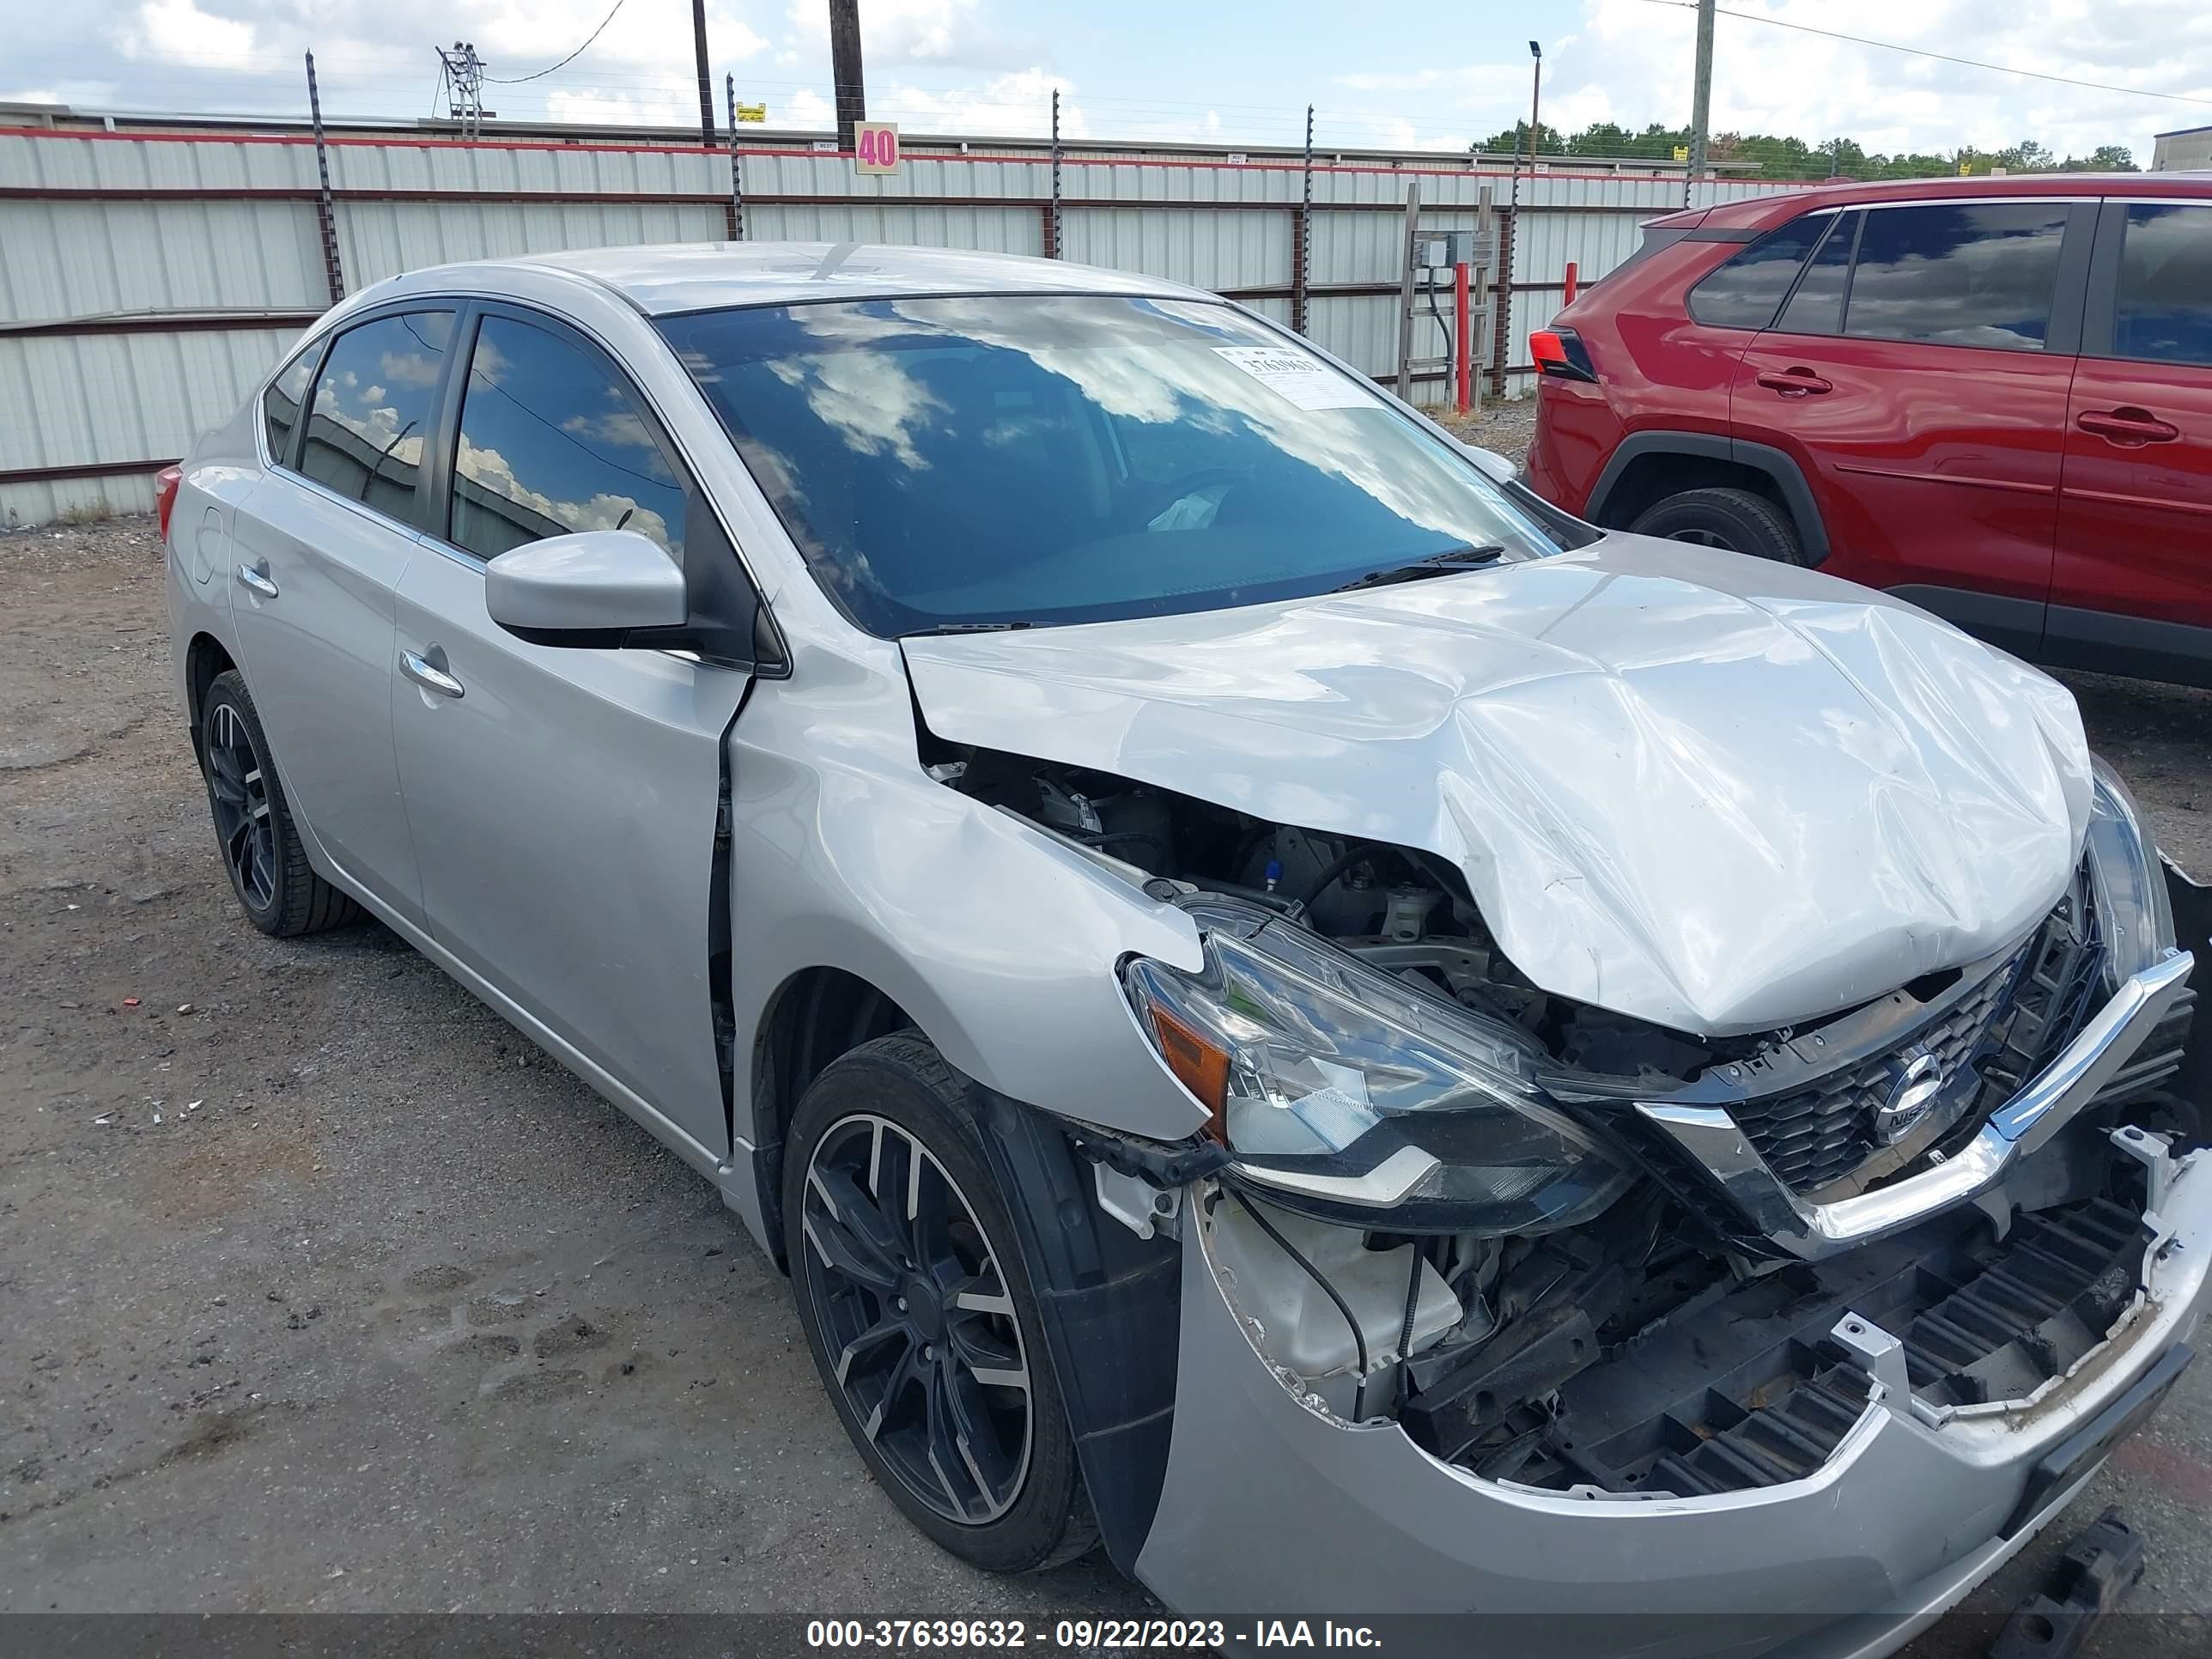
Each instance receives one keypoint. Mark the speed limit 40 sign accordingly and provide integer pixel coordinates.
(875, 146)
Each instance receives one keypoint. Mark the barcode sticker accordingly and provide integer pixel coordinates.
(1305, 381)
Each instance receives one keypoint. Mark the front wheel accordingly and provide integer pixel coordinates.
(1735, 520)
(919, 1312)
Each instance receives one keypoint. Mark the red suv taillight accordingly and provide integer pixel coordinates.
(1560, 354)
(164, 496)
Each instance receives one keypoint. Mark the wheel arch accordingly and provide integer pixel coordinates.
(816, 1015)
(205, 658)
(1649, 466)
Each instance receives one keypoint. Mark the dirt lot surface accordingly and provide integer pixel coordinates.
(320, 1289)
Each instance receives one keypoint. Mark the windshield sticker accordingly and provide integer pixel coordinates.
(1306, 382)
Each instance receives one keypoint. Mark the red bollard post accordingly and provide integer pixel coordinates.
(1463, 374)
(1571, 282)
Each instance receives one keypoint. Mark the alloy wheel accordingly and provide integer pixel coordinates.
(917, 1319)
(239, 787)
(1704, 538)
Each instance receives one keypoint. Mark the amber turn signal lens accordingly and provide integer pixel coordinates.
(1200, 1063)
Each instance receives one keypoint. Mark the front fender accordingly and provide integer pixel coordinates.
(1001, 944)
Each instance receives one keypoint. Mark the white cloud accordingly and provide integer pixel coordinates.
(1636, 59)
(593, 108)
(906, 31)
(178, 28)
(1630, 62)
(805, 108)
(1016, 105)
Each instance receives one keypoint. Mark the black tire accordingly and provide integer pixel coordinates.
(1734, 520)
(278, 889)
(1042, 1518)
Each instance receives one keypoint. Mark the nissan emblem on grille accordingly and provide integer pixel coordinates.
(1919, 1080)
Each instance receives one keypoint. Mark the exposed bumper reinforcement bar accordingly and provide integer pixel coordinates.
(1711, 1139)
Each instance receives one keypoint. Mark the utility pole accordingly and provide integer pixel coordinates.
(845, 68)
(1701, 100)
(706, 86)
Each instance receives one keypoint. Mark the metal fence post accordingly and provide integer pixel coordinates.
(1302, 252)
(1502, 295)
(1052, 224)
(325, 213)
(737, 176)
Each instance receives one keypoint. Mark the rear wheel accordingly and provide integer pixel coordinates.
(280, 892)
(1735, 520)
(920, 1313)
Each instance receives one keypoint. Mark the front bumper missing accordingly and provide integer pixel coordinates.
(1711, 1140)
(1273, 1506)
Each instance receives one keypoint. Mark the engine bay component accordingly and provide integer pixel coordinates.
(1301, 1329)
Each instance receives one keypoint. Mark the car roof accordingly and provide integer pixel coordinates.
(661, 281)
(1764, 210)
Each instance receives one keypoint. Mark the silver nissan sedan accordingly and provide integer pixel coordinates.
(1291, 1011)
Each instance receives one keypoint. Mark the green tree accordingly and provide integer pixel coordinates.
(1549, 141)
(1792, 159)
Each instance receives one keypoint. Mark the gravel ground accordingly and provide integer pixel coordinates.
(321, 1290)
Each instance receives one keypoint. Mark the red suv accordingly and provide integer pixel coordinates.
(1992, 396)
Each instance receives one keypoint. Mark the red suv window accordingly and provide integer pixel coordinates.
(1745, 291)
(1958, 273)
(2165, 311)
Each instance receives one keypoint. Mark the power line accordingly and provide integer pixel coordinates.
(1940, 57)
(516, 80)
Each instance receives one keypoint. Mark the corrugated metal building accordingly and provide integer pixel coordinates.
(149, 277)
(2188, 146)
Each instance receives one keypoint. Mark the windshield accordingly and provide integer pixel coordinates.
(1041, 458)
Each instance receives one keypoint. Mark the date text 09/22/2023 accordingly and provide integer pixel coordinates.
(1081, 1634)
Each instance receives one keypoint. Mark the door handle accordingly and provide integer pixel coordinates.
(257, 578)
(1794, 382)
(2127, 426)
(430, 676)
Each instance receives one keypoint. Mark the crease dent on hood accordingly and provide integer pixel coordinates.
(1706, 791)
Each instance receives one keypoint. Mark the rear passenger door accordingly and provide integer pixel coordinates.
(2131, 584)
(564, 800)
(318, 551)
(1917, 371)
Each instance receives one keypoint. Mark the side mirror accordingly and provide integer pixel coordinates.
(1494, 465)
(593, 588)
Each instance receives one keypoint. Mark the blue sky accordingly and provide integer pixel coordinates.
(1385, 72)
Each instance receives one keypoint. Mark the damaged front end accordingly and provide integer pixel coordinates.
(1568, 1251)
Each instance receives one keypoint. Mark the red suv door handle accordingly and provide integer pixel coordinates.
(2127, 426)
(1794, 382)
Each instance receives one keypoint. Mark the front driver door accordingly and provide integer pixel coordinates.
(563, 800)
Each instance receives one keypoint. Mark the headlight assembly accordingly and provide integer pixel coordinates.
(1346, 1093)
(2133, 905)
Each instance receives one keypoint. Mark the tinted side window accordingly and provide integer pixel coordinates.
(373, 408)
(2165, 285)
(1974, 274)
(552, 441)
(1817, 307)
(280, 405)
(1744, 292)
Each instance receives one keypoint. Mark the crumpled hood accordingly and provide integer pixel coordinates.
(1707, 791)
